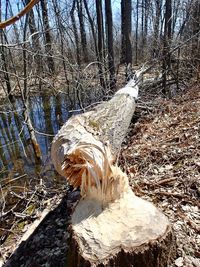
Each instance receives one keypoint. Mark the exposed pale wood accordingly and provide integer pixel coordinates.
(110, 225)
(128, 232)
(91, 141)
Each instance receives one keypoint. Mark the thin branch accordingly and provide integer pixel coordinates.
(19, 15)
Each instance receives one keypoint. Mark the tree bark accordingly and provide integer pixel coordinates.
(48, 38)
(92, 26)
(25, 98)
(4, 63)
(166, 66)
(75, 32)
(36, 43)
(100, 41)
(82, 30)
(136, 32)
(5, 69)
(110, 226)
(157, 19)
(109, 34)
(105, 126)
(195, 29)
(126, 28)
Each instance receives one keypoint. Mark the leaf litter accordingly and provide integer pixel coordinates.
(161, 155)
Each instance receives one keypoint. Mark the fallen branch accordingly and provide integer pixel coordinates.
(13, 180)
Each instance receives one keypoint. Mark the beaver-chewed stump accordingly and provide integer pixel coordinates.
(128, 232)
(110, 226)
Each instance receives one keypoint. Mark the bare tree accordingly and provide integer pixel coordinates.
(91, 21)
(25, 98)
(60, 28)
(100, 40)
(136, 32)
(145, 17)
(82, 30)
(47, 37)
(4, 62)
(166, 44)
(109, 34)
(36, 43)
(75, 31)
(158, 6)
(126, 29)
(196, 32)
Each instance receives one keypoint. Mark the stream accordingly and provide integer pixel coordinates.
(17, 158)
(27, 185)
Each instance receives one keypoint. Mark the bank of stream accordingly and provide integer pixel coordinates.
(26, 184)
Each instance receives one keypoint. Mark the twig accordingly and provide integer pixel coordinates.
(176, 195)
(13, 180)
(160, 182)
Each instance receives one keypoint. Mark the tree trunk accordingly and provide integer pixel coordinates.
(110, 225)
(82, 30)
(61, 28)
(96, 47)
(35, 39)
(5, 68)
(99, 128)
(15, 28)
(4, 63)
(166, 45)
(100, 41)
(195, 32)
(109, 34)
(126, 28)
(25, 98)
(146, 5)
(75, 33)
(47, 35)
(129, 232)
(136, 32)
(91, 25)
(158, 6)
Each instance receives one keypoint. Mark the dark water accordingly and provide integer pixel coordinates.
(48, 113)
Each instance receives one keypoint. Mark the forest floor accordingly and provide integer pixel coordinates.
(162, 158)
(161, 155)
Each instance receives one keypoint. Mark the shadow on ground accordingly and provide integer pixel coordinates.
(48, 245)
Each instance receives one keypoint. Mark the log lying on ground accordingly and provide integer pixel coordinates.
(110, 225)
(94, 133)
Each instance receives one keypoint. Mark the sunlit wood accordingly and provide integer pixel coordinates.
(109, 224)
(19, 15)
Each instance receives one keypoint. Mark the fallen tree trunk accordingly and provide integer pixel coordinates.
(110, 225)
(103, 127)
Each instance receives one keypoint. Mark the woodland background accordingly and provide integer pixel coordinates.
(74, 41)
(62, 57)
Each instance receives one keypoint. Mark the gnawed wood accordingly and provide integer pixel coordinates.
(90, 142)
(129, 232)
(110, 225)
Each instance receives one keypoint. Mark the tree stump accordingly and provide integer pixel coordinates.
(127, 232)
(110, 225)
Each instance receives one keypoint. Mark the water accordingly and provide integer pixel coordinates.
(47, 113)
(26, 184)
